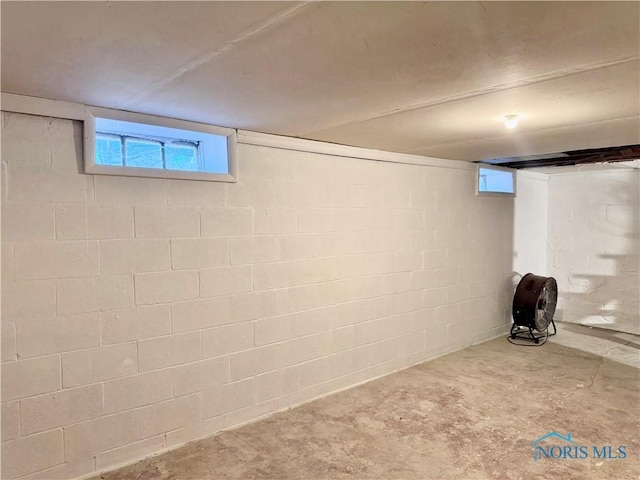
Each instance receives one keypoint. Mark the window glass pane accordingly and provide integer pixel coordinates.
(181, 156)
(143, 153)
(108, 150)
(497, 181)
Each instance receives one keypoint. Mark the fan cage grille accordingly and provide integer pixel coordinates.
(534, 302)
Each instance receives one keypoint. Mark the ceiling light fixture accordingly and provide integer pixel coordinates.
(511, 121)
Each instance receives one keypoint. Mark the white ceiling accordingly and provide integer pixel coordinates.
(431, 78)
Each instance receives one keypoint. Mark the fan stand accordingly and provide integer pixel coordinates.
(526, 333)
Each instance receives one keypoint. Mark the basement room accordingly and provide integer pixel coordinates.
(320, 240)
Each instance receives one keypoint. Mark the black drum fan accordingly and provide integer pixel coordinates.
(534, 304)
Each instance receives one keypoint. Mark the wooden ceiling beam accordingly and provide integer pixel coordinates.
(580, 157)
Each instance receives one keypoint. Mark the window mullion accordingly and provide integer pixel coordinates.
(123, 148)
(200, 155)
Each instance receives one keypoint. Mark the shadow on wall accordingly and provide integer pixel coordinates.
(594, 218)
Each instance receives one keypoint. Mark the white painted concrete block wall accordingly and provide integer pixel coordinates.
(139, 314)
(530, 223)
(594, 217)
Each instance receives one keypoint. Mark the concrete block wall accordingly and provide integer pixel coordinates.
(531, 208)
(139, 314)
(594, 242)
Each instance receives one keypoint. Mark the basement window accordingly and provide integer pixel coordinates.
(495, 181)
(130, 144)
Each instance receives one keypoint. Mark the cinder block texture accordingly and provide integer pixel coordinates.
(84, 367)
(42, 336)
(10, 420)
(26, 378)
(594, 246)
(30, 454)
(60, 409)
(165, 287)
(140, 313)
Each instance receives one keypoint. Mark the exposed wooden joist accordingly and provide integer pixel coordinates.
(580, 157)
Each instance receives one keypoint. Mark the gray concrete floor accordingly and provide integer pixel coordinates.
(472, 414)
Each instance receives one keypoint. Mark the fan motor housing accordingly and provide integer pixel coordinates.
(534, 302)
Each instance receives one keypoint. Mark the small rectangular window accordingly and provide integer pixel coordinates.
(495, 181)
(124, 143)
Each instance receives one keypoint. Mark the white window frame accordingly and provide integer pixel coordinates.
(488, 166)
(91, 167)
